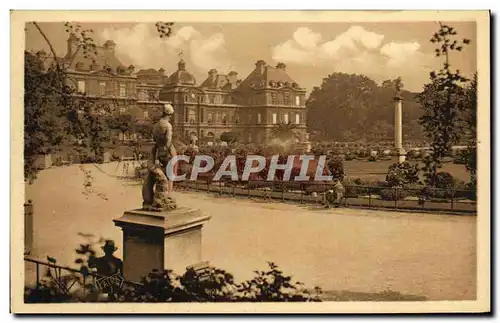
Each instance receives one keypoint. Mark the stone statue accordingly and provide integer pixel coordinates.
(398, 86)
(157, 189)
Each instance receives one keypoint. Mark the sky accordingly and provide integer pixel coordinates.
(311, 51)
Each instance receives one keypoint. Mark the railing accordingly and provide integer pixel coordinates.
(65, 277)
(375, 197)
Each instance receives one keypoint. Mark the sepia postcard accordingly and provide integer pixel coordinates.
(250, 162)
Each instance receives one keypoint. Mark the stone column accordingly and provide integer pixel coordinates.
(398, 129)
(160, 240)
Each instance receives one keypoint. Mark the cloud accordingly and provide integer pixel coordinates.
(306, 38)
(399, 53)
(142, 47)
(306, 47)
(356, 50)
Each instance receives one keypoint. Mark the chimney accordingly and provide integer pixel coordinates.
(260, 66)
(233, 77)
(281, 66)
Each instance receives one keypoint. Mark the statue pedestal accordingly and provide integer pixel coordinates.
(160, 240)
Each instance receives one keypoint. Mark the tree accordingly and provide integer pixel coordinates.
(351, 104)
(402, 173)
(380, 130)
(144, 129)
(284, 131)
(124, 123)
(229, 137)
(44, 97)
(54, 112)
(443, 102)
(470, 121)
(51, 106)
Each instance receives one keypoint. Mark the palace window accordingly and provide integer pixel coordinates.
(275, 118)
(146, 115)
(249, 118)
(280, 98)
(123, 90)
(102, 88)
(259, 118)
(81, 86)
(224, 118)
(286, 98)
(210, 118)
(273, 98)
(191, 117)
(297, 100)
(285, 118)
(151, 96)
(211, 99)
(297, 118)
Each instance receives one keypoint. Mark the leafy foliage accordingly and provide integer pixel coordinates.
(124, 123)
(209, 285)
(284, 131)
(402, 173)
(54, 111)
(353, 107)
(45, 99)
(229, 137)
(335, 166)
(274, 286)
(470, 121)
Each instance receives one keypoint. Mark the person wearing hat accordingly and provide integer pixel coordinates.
(108, 264)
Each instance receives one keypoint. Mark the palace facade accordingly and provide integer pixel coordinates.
(250, 108)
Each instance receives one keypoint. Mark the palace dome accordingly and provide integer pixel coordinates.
(181, 76)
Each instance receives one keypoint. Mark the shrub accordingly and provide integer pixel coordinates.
(413, 154)
(355, 191)
(349, 157)
(358, 181)
(393, 194)
(209, 285)
(335, 166)
(317, 187)
(372, 159)
(402, 173)
(444, 180)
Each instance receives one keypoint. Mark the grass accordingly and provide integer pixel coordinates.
(377, 170)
